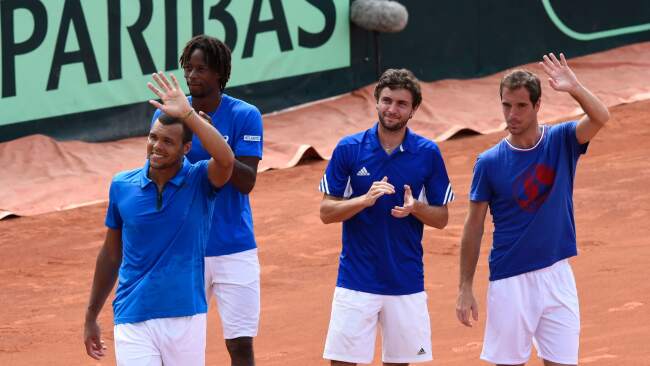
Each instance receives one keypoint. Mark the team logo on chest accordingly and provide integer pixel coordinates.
(363, 172)
(532, 188)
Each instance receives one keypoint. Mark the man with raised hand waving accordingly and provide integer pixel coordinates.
(158, 221)
(232, 268)
(527, 182)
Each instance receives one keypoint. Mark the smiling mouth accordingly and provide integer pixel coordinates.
(394, 118)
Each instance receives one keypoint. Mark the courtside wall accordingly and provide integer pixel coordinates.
(75, 69)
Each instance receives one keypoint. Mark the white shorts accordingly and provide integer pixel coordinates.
(404, 323)
(234, 279)
(164, 341)
(539, 307)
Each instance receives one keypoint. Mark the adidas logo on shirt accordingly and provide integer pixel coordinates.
(363, 172)
(421, 351)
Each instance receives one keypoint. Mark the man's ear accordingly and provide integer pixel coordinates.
(186, 147)
(415, 109)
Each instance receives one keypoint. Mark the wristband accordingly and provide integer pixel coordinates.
(187, 115)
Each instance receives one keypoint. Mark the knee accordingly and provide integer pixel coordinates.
(241, 347)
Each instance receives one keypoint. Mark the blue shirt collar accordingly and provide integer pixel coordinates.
(224, 96)
(406, 145)
(177, 180)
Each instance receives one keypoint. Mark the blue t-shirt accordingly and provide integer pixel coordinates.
(163, 242)
(530, 195)
(382, 254)
(240, 124)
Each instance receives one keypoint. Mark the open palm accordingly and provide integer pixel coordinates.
(174, 103)
(560, 75)
(407, 208)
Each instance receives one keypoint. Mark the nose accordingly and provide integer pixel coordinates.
(155, 146)
(189, 74)
(513, 113)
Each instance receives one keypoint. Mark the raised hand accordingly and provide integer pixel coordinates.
(407, 208)
(174, 102)
(377, 190)
(560, 75)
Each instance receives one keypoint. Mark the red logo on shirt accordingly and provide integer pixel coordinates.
(532, 187)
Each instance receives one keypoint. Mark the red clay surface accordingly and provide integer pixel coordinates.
(48, 261)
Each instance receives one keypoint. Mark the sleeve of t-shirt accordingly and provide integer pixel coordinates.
(569, 132)
(251, 138)
(437, 189)
(113, 217)
(336, 179)
(204, 181)
(480, 189)
(156, 114)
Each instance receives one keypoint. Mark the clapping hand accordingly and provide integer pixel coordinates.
(377, 190)
(407, 208)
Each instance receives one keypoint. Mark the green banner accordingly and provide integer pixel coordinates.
(67, 56)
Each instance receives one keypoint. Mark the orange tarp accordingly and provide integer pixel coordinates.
(42, 175)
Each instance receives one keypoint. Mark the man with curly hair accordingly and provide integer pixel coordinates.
(232, 270)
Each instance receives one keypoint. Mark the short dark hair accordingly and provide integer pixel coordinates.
(520, 78)
(167, 120)
(216, 53)
(399, 79)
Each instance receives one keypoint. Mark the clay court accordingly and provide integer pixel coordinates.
(48, 261)
(53, 201)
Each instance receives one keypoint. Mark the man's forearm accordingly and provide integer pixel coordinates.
(211, 140)
(243, 176)
(435, 216)
(593, 107)
(340, 210)
(106, 272)
(470, 247)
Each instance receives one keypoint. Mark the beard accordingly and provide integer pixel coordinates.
(165, 165)
(395, 127)
(203, 88)
(168, 162)
(197, 91)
